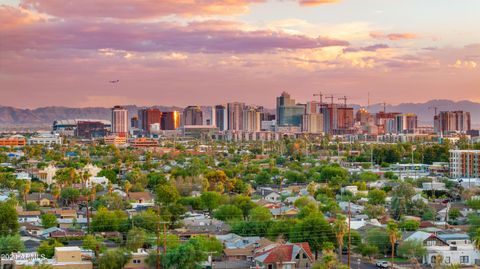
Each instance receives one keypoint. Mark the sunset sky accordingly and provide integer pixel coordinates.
(200, 52)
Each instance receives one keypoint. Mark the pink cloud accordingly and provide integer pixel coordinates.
(128, 9)
(316, 2)
(367, 48)
(393, 36)
(207, 37)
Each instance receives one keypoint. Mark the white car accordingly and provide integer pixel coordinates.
(382, 264)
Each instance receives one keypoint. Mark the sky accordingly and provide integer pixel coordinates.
(206, 52)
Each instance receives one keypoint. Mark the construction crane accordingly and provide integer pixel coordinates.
(320, 97)
(330, 97)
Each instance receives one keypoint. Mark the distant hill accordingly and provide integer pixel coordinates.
(425, 111)
(44, 116)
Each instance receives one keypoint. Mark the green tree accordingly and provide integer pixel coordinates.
(136, 238)
(368, 250)
(374, 211)
(378, 237)
(8, 219)
(454, 213)
(167, 194)
(228, 213)
(244, 203)
(70, 195)
(114, 259)
(315, 230)
(402, 199)
(368, 176)
(210, 200)
(49, 220)
(108, 173)
(377, 197)
(11, 243)
(409, 225)
(260, 213)
(414, 250)
(106, 220)
(32, 206)
(47, 248)
(90, 242)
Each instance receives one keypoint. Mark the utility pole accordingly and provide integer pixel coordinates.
(384, 107)
(349, 237)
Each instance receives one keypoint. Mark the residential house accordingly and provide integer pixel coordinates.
(138, 260)
(238, 248)
(23, 176)
(141, 199)
(42, 199)
(31, 229)
(284, 211)
(29, 216)
(455, 248)
(284, 256)
(102, 181)
(270, 195)
(64, 258)
(47, 174)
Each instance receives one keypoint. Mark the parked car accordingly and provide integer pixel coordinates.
(382, 264)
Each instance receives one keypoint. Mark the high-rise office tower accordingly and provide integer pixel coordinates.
(134, 122)
(312, 123)
(235, 116)
(452, 121)
(149, 116)
(406, 123)
(170, 120)
(251, 119)
(120, 121)
(192, 115)
(288, 112)
(208, 113)
(221, 117)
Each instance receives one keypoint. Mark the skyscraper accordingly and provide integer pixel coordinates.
(120, 121)
(149, 116)
(235, 116)
(192, 115)
(288, 112)
(208, 113)
(312, 123)
(406, 123)
(251, 119)
(452, 121)
(170, 120)
(221, 117)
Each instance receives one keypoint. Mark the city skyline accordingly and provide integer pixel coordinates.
(212, 52)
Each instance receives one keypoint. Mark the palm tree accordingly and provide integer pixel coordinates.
(110, 188)
(56, 193)
(476, 239)
(26, 191)
(340, 228)
(393, 235)
(127, 186)
(84, 176)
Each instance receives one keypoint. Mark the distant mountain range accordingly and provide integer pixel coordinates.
(43, 117)
(426, 111)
